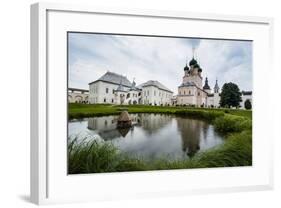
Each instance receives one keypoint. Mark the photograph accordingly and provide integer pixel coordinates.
(145, 102)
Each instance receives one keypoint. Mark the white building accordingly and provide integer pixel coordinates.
(78, 95)
(155, 93)
(117, 89)
(246, 95)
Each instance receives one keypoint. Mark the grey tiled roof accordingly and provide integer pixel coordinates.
(114, 79)
(155, 84)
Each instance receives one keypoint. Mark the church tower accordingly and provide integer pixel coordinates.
(216, 95)
(190, 92)
(216, 88)
(192, 74)
(206, 87)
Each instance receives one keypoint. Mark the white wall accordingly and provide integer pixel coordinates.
(98, 93)
(244, 98)
(14, 41)
(154, 95)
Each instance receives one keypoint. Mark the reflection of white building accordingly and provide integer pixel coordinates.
(117, 89)
(78, 95)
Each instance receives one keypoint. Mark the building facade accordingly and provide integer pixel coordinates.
(78, 95)
(116, 89)
(155, 93)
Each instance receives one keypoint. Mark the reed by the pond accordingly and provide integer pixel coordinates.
(98, 156)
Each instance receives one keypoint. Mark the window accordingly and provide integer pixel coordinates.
(106, 90)
(112, 91)
(189, 92)
(104, 100)
(183, 92)
(154, 93)
(198, 93)
(112, 100)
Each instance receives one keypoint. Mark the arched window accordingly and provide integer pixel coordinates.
(189, 92)
(104, 100)
(106, 90)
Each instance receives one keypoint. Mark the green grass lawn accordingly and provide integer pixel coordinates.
(88, 110)
(98, 157)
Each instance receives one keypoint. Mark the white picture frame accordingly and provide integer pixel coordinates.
(49, 181)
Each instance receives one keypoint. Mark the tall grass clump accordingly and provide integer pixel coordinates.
(91, 157)
(232, 123)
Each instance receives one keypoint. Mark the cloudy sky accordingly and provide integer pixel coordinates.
(157, 58)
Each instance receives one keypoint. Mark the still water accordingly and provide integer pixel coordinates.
(151, 136)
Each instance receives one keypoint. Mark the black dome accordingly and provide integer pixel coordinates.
(186, 68)
(196, 65)
(192, 62)
(199, 70)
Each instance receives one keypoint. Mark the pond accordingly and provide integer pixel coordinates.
(152, 136)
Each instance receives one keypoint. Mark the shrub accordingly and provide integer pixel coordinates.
(248, 104)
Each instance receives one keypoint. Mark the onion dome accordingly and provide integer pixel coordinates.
(199, 70)
(186, 68)
(206, 86)
(196, 65)
(192, 62)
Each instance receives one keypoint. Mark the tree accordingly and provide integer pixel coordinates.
(248, 104)
(230, 95)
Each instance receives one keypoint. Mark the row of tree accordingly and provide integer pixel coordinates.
(231, 96)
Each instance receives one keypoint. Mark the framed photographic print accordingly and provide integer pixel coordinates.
(133, 103)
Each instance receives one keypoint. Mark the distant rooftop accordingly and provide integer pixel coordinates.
(246, 92)
(155, 84)
(114, 78)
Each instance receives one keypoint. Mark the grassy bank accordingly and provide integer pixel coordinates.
(97, 157)
(90, 110)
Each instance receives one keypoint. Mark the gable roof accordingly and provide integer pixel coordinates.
(114, 78)
(155, 84)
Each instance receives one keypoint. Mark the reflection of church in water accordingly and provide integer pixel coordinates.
(191, 132)
(191, 135)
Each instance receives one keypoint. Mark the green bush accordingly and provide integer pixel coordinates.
(248, 104)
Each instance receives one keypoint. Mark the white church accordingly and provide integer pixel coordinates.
(192, 92)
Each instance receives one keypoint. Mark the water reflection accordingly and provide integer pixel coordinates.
(152, 135)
